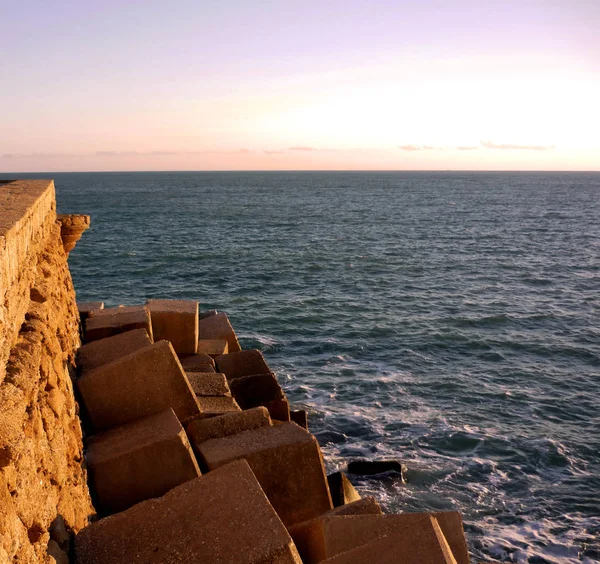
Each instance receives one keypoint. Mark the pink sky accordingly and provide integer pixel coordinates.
(260, 85)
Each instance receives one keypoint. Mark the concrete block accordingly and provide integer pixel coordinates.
(175, 321)
(142, 383)
(207, 313)
(213, 347)
(308, 535)
(287, 462)
(222, 516)
(201, 430)
(193, 363)
(342, 490)
(85, 308)
(300, 417)
(252, 391)
(217, 326)
(279, 409)
(217, 405)
(327, 537)
(104, 323)
(139, 461)
(208, 384)
(424, 544)
(242, 363)
(97, 353)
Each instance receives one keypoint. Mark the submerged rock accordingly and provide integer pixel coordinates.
(372, 467)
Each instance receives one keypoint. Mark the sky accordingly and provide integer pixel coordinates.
(299, 85)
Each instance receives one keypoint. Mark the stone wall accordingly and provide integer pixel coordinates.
(43, 488)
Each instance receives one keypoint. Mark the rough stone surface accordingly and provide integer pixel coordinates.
(144, 382)
(71, 228)
(252, 391)
(42, 479)
(217, 405)
(423, 543)
(201, 430)
(333, 535)
(342, 490)
(222, 516)
(97, 353)
(217, 326)
(112, 321)
(195, 362)
(139, 461)
(213, 347)
(206, 368)
(175, 321)
(208, 384)
(287, 462)
(242, 363)
(308, 535)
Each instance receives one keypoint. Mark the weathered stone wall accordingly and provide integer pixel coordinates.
(43, 488)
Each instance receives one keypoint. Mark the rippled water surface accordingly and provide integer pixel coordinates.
(450, 320)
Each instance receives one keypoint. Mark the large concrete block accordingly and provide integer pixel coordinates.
(308, 535)
(213, 347)
(208, 384)
(175, 321)
(423, 543)
(252, 391)
(201, 430)
(139, 461)
(279, 409)
(287, 462)
(104, 323)
(142, 383)
(217, 326)
(97, 353)
(195, 362)
(222, 516)
(342, 490)
(332, 535)
(217, 405)
(242, 363)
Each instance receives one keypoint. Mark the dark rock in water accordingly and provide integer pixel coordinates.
(208, 313)
(370, 467)
(342, 491)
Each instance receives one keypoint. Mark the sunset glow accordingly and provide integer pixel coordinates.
(300, 85)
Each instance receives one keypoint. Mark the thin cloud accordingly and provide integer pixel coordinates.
(267, 152)
(303, 149)
(515, 147)
(38, 155)
(468, 147)
(118, 153)
(419, 148)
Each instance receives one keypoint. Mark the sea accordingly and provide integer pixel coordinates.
(449, 320)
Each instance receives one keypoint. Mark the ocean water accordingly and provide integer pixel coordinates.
(448, 320)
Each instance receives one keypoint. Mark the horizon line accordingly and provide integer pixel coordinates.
(332, 170)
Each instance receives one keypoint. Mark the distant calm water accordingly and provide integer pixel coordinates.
(450, 320)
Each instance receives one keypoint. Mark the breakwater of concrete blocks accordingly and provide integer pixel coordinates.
(194, 455)
(190, 450)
